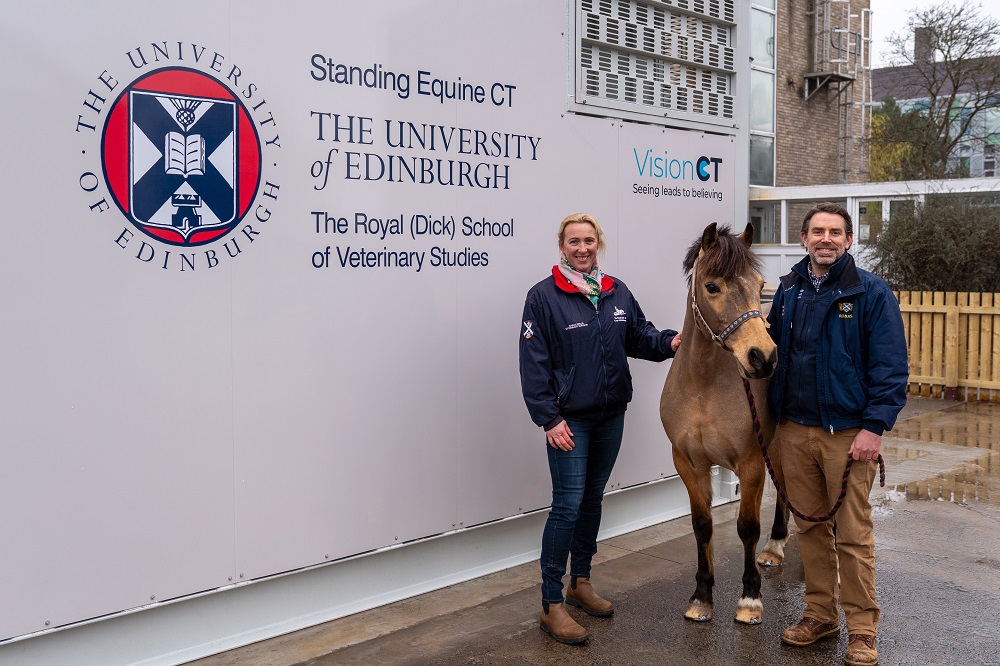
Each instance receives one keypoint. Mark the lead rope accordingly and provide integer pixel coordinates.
(774, 480)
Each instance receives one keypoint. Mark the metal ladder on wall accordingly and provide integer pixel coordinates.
(840, 49)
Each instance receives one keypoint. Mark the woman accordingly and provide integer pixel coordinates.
(579, 325)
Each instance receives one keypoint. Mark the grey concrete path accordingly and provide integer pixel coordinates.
(937, 527)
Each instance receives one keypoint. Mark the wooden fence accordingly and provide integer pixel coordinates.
(954, 343)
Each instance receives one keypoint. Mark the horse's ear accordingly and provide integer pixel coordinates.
(747, 235)
(711, 235)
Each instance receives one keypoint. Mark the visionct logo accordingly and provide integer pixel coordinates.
(184, 149)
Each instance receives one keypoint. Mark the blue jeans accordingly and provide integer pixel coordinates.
(578, 481)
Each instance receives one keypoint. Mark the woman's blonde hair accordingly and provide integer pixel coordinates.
(586, 219)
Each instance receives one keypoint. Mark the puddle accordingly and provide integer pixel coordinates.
(971, 424)
(947, 455)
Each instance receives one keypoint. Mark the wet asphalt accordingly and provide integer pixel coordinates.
(937, 535)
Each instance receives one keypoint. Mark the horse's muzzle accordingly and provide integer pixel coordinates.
(762, 364)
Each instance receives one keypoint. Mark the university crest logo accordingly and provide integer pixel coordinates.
(181, 157)
(182, 153)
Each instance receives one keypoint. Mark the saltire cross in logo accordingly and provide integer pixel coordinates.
(182, 162)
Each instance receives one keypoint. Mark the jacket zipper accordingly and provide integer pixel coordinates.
(600, 332)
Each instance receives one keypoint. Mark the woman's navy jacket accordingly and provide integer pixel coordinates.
(573, 356)
(861, 365)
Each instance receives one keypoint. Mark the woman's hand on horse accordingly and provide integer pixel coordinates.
(560, 437)
(676, 342)
(865, 446)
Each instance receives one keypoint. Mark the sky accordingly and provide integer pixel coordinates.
(889, 16)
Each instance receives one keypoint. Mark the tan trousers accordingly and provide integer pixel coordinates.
(812, 463)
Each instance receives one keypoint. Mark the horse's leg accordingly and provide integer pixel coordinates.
(699, 487)
(750, 608)
(774, 550)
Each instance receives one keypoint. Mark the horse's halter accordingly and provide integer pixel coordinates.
(719, 339)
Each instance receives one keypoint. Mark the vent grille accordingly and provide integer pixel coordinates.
(654, 58)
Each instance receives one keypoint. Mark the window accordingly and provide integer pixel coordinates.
(761, 102)
(868, 226)
(766, 220)
(964, 161)
(673, 59)
(762, 39)
(761, 160)
(762, 93)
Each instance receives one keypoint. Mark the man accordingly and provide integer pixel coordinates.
(840, 383)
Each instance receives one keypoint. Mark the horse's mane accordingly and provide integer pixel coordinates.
(728, 258)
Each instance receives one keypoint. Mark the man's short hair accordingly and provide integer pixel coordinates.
(829, 207)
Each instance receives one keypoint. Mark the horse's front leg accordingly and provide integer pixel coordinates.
(750, 608)
(700, 605)
(774, 550)
(699, 487)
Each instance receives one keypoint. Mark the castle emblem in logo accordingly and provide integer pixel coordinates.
(181, 157)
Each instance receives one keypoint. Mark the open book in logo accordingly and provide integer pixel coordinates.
(182, 160)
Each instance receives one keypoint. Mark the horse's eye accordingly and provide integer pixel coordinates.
(712, 288)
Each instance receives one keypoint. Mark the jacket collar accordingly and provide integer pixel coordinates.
(607, 282)
(849, 277)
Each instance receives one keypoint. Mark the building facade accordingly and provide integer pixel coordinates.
(822, 95)
(823, 85)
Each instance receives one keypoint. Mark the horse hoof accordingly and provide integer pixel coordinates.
(749, 616)
(749, 611)
(697, 618)
(698, 612)
(766, 559)
(773, 553)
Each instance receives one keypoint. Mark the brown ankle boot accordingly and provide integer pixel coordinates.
(808, 631)
(861, 650)
(581, 594)
(557, 623)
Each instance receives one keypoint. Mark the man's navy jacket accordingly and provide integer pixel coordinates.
(861, 364)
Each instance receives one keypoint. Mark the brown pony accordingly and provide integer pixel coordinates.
(705, 411)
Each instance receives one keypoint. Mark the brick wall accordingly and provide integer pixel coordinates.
(806, 146)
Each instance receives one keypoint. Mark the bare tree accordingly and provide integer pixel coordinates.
(946, 67)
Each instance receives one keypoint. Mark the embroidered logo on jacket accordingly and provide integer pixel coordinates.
(619, 314)
(846, 310)
(579, 324)
(527, 329)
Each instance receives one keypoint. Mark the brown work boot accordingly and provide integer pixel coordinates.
(861, 650)
(808, 631)
(581, 594)
(559, 625)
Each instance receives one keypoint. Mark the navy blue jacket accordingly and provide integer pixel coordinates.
(573, 355)
(861, 364)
